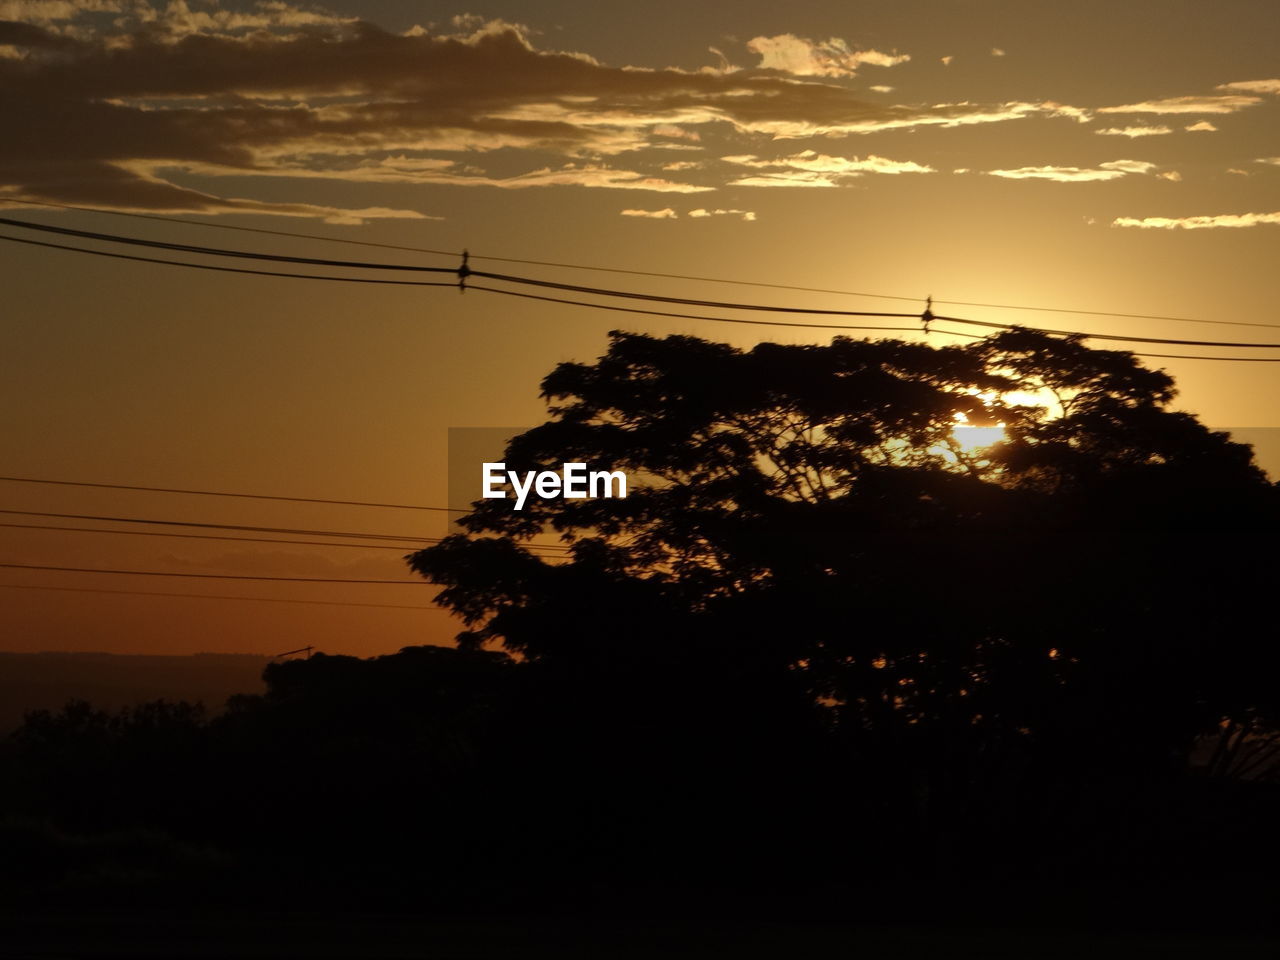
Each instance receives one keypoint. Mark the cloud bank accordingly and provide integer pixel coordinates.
(122, 103)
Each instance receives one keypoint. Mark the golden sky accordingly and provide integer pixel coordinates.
(1113, 156)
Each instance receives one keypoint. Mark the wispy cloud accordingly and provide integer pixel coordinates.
(701, 214)
(1133, 132)
(785, 178)
(1227, 103)
(812, 169)
(1252, 86)
(1219, 221)
(664, 214)
(1202, 126)
(814, 162)
(1111, 170)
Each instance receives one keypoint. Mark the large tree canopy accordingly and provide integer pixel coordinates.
(812, 512)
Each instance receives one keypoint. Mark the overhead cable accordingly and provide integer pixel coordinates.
(219, 596)
(207, 576)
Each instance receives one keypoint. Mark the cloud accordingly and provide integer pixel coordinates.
(123, 103)
(675, 132)
(811, 169)
(180, 200)
(786, 178)
(664, 214)
(441, 172)
(1172, 175)
(1223, 220)
(1238, 172)
(1128, 166)
(997, 52)
(1252, 86)
(1132, 132)
(866, 119)
(1275, 161)
(1226, 103)
(701, 214)
(812, 161)
(1111, 170)
(1061, 174)
(881, 88)
(1203, 126)
(118, 119)
(800, 57)
(946, 61)
(47, 12)
(173, 20)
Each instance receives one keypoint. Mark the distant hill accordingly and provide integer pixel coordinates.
(32, 681)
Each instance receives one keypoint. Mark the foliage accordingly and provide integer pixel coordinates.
(808, 512)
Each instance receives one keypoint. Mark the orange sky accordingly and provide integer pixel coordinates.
(1093, 156)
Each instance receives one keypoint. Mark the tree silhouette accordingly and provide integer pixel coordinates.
(825, 648)
(805, 519)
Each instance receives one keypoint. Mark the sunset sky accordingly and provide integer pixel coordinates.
(1120, 157)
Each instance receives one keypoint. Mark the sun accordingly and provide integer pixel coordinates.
(974, 439)
(971, 440)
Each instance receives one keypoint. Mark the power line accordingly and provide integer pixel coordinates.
(1115, 337)
(686, 301)
(643, 273)
(215, 526)
(200, 536)
(456, 253)
(1158, 356)
(214, 267)
(845, 326)
(206, 536)
(842, 326)
(723, 305)
(698, 316)
(367, 265)
(220, 251)
(1183, 356)
(420, 283)
(406, 541)
(223, 493)
(228, 226)
(1108, 313)
(210, 596)
(656, 298)
(212, 251)
(639, 273)
(206, 576)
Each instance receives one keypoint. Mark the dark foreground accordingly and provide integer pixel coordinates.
(372, 937)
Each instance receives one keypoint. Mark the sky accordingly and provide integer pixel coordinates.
(1115, 157)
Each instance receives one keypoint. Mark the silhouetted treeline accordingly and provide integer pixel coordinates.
(47, 680)
(824, 658)
(440, 779)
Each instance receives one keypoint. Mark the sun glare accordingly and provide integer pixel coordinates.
(973, 439)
